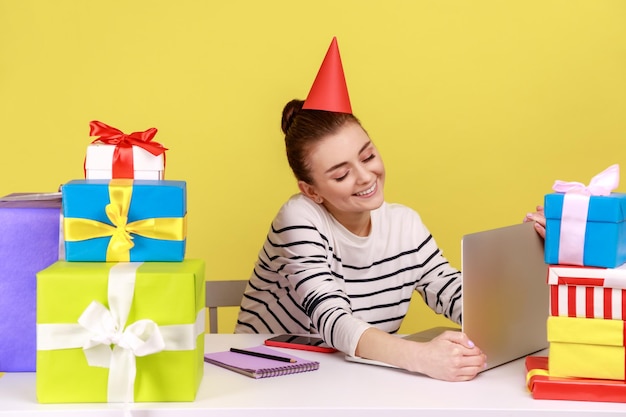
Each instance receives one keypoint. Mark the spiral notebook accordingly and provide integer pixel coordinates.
(258, 367)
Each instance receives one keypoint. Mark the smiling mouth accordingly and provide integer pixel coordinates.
(366, 192)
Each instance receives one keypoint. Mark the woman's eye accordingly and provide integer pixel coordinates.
(369, 158)
(343, 177)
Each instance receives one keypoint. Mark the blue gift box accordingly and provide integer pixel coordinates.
(29, 243)
(123, 220)
(605, 233)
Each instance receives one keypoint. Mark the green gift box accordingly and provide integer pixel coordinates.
(99, 323)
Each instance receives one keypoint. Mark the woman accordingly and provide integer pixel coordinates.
(340, 261)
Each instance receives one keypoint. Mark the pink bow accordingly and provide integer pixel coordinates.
(600, 185)
(575, 210)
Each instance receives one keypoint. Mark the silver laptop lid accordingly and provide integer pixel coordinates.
(505, 294)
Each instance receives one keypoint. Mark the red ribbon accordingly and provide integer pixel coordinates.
(123, 154)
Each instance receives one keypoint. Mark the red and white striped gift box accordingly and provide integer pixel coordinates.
(587, 292)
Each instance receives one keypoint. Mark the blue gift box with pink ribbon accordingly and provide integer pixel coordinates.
(124, 220)
(586, 224)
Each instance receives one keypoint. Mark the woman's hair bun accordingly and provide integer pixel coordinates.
(289, 114)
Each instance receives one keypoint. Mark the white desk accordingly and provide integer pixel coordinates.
(338, 388)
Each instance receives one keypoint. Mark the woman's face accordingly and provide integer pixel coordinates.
(348, 173)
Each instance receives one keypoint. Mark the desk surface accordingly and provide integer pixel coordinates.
(338, 388)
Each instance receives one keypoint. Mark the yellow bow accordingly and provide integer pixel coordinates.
(118, 250)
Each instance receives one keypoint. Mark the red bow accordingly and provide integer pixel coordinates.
(123, 154)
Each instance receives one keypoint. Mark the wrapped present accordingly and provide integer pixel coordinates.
(585, 225)
(120, 332)
(115, 154)
(543, 386)
(587, 292)
(29, 242)
(586, 348)
(124, 220)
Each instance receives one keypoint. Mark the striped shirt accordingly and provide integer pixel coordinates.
(314, 276)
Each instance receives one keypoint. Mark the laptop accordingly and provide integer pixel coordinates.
(505, 295)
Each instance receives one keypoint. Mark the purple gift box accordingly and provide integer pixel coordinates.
(29, 243)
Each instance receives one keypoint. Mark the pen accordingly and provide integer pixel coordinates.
(262, 355)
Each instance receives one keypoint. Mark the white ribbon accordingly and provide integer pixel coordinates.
(106, 340)
(575, 211)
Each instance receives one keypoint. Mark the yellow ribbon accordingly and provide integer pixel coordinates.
(121, 232)
(532, 373)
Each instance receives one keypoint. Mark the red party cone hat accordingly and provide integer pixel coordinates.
(329, 91)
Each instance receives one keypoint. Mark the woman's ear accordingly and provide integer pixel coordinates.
(309, 191)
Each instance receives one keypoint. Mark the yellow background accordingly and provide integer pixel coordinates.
(477, 106)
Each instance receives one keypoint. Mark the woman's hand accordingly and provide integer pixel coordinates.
(540, 221)
(451, 356)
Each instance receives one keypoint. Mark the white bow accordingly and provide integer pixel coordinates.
(142, 338)
(111, 346)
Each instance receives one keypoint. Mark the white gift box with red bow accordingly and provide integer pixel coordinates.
(115, 154)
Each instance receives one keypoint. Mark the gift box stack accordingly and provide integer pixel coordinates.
(585, 250)
(121, 319)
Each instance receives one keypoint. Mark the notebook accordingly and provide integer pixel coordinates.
(258, 367)
(505, 295)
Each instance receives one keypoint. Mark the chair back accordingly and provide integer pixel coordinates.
(226, 293)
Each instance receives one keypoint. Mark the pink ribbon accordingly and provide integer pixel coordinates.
(575, 211)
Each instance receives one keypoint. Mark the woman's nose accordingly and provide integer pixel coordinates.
(363, 175)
